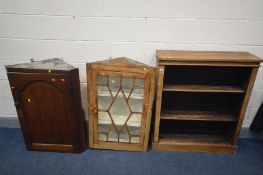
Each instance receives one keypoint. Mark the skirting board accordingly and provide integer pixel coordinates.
(9, 122)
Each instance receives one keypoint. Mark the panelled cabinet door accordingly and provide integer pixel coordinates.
(118, 107)
(54, 123)
(49, 109)
(44, 101)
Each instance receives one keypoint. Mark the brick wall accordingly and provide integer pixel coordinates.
(83, 31)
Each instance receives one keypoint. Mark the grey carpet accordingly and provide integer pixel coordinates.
(15, 159)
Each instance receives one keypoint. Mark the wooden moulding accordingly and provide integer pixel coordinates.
(119, 146)
(250, 85)
(214, 64)
(207, 58)
(158, 102)
(90, 105)
(193, 147)
(202, 88)
(53, 147)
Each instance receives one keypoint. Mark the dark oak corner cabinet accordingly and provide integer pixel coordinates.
(202, 99)
(48, 104)
(120, 98)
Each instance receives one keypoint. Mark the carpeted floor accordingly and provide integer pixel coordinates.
(15, 159)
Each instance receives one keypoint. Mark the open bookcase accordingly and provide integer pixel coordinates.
(201, 99)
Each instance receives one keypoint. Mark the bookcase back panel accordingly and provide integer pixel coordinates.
(195, 127)
(196, 131)
(192, 75)
(202, 101)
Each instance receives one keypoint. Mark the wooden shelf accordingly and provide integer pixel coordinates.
(194, 143)
(135, 96)
(202, 88)
(119, 120)
(194, 138)
(196, 115)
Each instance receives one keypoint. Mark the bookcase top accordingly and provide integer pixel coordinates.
(206, 56)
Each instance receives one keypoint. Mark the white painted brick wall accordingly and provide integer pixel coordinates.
(83, 31)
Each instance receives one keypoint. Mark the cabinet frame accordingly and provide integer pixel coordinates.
(66, 82)
(202, 59)
(126, 69)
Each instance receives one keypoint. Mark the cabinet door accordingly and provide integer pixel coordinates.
(120, 115)
(44, 107)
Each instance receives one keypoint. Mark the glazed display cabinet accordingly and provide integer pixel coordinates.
(202, 99)
(120, 97)
(48, 103)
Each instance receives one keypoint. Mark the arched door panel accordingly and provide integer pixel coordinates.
(48, 116)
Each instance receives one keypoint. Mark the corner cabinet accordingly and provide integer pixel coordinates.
(202, 99)
(47, 98)
(120, 97)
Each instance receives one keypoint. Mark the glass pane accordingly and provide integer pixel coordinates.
(103, 128)
(136, 100)
(135, 139)
(104, 118)
(113, 136)
(134, 130)
(124, 136)
(102, 80)
(127, 84)
(137, 93)
(119, 110)
(114, 83)
(104, 97)
(135, 120)
(102, 137)
(134, 124)
(139, 82)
